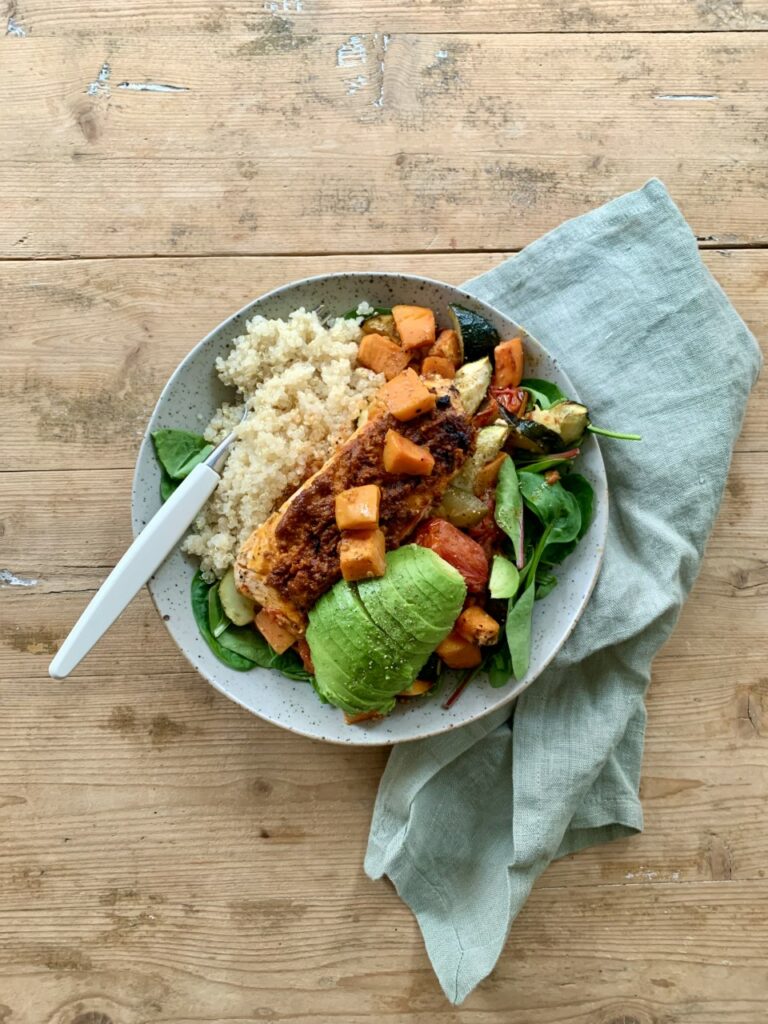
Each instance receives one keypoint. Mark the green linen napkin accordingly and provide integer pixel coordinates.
(465, 822)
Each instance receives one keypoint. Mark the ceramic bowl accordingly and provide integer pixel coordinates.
(188, 401)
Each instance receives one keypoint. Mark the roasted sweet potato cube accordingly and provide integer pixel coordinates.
(448, 346)
(509, 361)
(358, 507)
(417, 688)
(382, 355)
(415, 325)
(403, 456)
(302, 647)
(407, 396)
(362, 716)
(477, 626)
(457, 652)
(361, 554)
(277, 636)
(438, 366)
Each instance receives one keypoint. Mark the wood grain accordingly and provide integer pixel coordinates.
(86, 346)
(165, 857)
(432, 142)
(107, 17)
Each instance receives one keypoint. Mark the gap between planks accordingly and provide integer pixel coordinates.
(703, 244)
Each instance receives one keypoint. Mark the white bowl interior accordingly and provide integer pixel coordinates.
(190, 398)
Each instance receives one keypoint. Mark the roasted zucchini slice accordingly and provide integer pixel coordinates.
(478, 337)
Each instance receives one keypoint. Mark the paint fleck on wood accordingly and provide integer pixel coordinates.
(100, 85)
(8, 579)
(151, 87)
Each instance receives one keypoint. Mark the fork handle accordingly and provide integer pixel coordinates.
(152, 546)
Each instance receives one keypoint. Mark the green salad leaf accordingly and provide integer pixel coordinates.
(543, 392)
(518, 631)
(200, 611)
(509, 509)
(247, 642)
(179, 451)
(582, 491)
(217, 620)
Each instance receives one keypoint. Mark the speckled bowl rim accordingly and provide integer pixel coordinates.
(360, 737)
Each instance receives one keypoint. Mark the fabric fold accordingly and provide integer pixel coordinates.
(465, 822)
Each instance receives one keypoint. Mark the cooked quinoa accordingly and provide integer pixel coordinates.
(304, 393)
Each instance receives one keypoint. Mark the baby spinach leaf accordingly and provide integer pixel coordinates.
(505, 578)
(179, 451)
(499, 666)
(518, 631)
(167, 486)
(217, 620)
(509, 509)
(553, 505)
(545, 583)
(200, 611)
(543, 392)
(582, 491)
(248, 642)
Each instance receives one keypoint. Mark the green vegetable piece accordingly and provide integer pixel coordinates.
(179, 451)
(568, 419)
(505, 578)
(200, 611)
(167, 486)
(613, 433)
(545, 582)
(478, 337)
(247, 642)
(500, 664)
(518, 631)
(553, 505)
(582, 491)
(352, 314)
(217, 620)
(509, 509)
(236, 606)
(471, 381)
(543, 392)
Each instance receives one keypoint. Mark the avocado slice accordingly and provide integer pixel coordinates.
(369, 640)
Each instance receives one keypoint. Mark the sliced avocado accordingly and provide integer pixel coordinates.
(471, 381)
(568, 419)
(369, 640)
(237, 607)
(478, 337)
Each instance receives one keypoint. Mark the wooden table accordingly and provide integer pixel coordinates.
(166, 856)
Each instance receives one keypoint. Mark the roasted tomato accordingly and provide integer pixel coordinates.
(511, 399)
(486, 533)
(458, 550)
(486, 414)
(305, 654)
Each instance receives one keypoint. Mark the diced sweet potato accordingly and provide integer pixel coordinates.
(407, 397)
(415, 325)
(403, 456)
(417, 688)
(509, 361)
(438, 365)
(361, 554)
(488, 474)
(477, 626)
(448, 346)
(358, 507)
(305, 654)
(382, 355)
(457, 652)
(363, 716)
(278, 637)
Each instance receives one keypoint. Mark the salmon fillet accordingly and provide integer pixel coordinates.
(293, 558)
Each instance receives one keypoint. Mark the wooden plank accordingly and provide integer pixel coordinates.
(434, 142)
(86, 346)
(102, 17)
